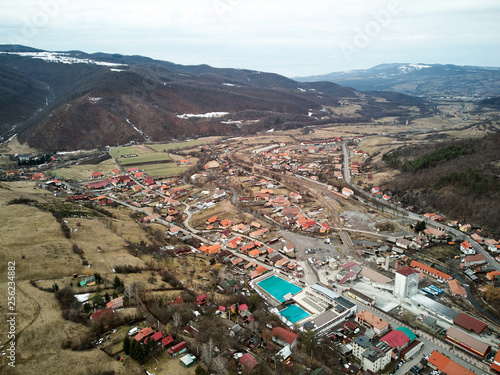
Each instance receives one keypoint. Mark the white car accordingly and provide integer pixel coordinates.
(133, 331)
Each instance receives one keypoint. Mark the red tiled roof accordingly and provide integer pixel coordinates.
(284, 335)
(101, 314)
(167, 340)
(470, 323)
(430, 270)
(248, 361)
(406, 271)
(446, 365)
(395, 339)
(157, 336)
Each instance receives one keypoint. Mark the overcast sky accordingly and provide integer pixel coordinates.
(292, 37)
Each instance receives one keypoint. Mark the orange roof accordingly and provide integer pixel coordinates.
(456, 288)
(491, 275)
(430, 270)
(226, 223)
(261, 269)
(212, 219)
(145, 332)
(250, 246)
(465, 245)
(255, 224)
(254, 253)
(496, 362)
(210, 249)
(446, 365)
(372, 320)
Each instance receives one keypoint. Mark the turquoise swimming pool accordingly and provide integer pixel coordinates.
(278, 288)
(294, 313)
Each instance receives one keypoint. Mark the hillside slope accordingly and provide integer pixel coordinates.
(457, 179)
(94, 100)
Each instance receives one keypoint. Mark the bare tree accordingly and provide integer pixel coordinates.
(220, 364)
(176, 321)
(207, 350)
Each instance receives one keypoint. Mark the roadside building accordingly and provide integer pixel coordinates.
(466, 341)
(430, 271)
(283, 336)
(469, 323)
(379, 325)
(445, 365)
(496, 362)
(406, 283)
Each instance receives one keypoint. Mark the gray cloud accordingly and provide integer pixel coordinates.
(288, 37)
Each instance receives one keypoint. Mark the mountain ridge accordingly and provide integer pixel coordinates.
(92, 100)
(427, 80)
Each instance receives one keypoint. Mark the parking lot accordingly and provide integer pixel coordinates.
(303, 243)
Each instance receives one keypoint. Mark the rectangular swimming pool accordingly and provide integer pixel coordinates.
(294, 313)
(278, 288)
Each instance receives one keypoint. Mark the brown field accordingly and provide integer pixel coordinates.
(166, 365)
(40, 332)
(223, 210)
(107, 234)
(37, 236)
(83, 171)
(15, 147)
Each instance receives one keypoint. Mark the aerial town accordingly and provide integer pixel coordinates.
(272, 254)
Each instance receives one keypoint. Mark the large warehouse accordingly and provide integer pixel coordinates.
(467, 342)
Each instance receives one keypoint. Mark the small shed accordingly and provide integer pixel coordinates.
(188, 360)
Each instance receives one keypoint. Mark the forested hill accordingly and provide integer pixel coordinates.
(72, 100)
(457, 179)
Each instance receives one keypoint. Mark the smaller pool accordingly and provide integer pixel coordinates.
(294, 313)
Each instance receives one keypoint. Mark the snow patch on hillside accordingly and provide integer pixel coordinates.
(413, 67)
(146, 137)
(60, 57)
(204, 115)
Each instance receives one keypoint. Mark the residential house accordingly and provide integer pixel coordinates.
(347, 192)
(201, 299)
(115, 303)
(379, 325)
(284, 337)
(467, 248)
(143, 333)
(248, 362)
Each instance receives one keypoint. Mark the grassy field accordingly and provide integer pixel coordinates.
(119, 151)
(163, 170)
(183, 145)
(146, 158)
